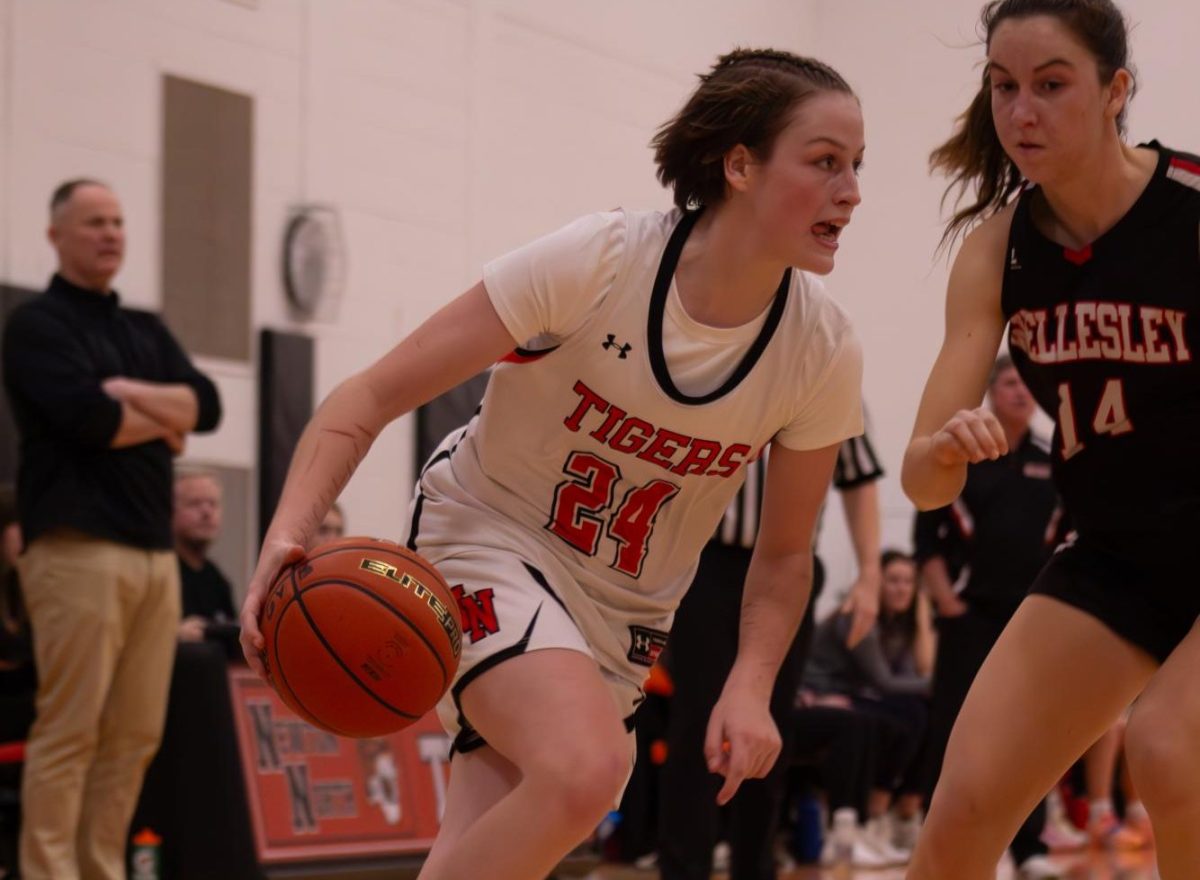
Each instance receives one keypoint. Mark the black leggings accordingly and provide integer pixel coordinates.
(901, 720)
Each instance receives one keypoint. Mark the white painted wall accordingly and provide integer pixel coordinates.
(447, 131)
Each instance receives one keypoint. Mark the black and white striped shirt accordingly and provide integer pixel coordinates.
(856, 465)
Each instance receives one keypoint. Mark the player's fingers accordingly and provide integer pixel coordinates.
(734, 775)
(997, 431)
(964, 434)
(984, 437)
(715, 755)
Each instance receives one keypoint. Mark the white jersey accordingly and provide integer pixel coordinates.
(586, 456)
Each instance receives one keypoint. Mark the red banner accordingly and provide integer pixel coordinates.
(314, 795)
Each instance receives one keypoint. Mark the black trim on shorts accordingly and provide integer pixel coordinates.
(445, 454)
(411, 543)
(468, 739)
(545, 585)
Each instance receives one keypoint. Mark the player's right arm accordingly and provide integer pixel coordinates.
(952, 429)
(459, 341)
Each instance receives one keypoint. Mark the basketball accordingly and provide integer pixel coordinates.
(362, 637)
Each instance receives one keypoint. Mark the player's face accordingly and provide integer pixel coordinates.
(899, 586)
(1010, 399)
(804, 194)
(197, 509)
(88, 231)
(1048, 105)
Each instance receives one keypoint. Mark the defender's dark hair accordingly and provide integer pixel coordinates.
(63, 192)
(747, 99)
(973, 156)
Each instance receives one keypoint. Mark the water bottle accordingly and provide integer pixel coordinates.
(844, 831)
(807, 834)
(606, 840)
(145, 861)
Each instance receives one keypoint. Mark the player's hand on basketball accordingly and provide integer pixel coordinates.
(276, 554)
(742, 741)
(970, 436)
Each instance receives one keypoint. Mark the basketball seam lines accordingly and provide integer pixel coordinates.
(279, 666)
(299, 600)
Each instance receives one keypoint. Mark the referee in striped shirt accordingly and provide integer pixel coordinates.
(701, 651)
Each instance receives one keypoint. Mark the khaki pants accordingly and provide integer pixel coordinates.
(104, 619)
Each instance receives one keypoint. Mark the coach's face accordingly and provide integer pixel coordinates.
(88, 232)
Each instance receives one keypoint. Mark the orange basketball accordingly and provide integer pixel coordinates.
(362, 636)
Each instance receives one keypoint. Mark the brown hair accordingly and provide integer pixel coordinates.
(973, 156)
(746, 99)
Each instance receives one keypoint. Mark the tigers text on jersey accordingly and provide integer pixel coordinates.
(1107, 339)
(586, 457)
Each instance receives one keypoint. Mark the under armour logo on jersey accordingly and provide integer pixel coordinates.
(1013, 262)
(622, 349)
(645, 645)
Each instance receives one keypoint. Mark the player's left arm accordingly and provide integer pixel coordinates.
(742, 741)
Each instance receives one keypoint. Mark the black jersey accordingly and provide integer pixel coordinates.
(1108, 340)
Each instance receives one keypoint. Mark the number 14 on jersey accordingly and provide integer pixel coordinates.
(1110, 417)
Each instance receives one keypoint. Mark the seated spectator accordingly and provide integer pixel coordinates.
(18, 677)
(207, 596)
(886, 677)
(332, 527)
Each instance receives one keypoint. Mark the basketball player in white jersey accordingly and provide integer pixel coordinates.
(647, 358)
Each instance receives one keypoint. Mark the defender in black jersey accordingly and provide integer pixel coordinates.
(1095, 268)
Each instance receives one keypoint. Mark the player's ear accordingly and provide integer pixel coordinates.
(738, 163)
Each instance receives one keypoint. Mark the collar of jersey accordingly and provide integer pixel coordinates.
(658, 303)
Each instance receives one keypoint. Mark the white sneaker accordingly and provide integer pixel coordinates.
(648, 862)
(858, 854)
(1061, 835)
(721, 853)
(878, 836)
(1040, 868)
(906, 831)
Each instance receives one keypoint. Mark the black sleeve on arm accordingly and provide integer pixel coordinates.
(52, 373)
(181, 369)
(930, 534)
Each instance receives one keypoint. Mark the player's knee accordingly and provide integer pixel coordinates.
(585, 783)
(1161, 750)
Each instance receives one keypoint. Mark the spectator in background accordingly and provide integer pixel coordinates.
(102, 397)
(332, 527)
(207, 596)
(886, 678)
